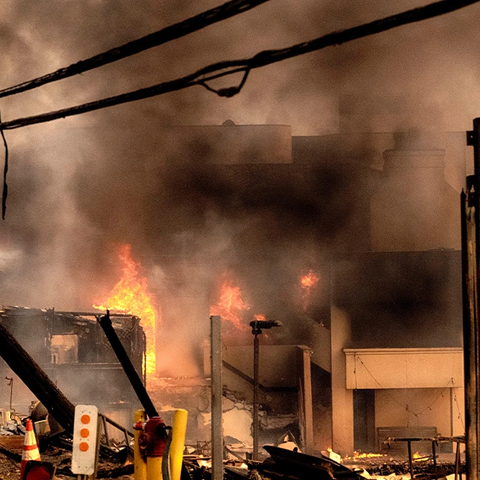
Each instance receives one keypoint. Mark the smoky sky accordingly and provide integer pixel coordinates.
(402, 299)
(432, 61)
(82, 185)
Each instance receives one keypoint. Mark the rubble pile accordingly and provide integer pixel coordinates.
(10, 459)
(387, 466)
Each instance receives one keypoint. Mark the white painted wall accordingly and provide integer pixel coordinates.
(414, 387)
(439, 407)
(376, 368)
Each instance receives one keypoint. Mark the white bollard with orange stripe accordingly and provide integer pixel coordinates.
(30, 447)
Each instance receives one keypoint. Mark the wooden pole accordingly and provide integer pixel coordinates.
(217, 392)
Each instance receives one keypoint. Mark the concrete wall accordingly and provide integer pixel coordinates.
(342, 398)
(321, 347)
(414, 388)
(439, 407)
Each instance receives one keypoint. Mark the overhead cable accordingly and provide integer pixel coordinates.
(222, 69)
(172, 32)
(267, 57)
(5, 171)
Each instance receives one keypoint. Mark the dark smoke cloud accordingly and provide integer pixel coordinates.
(402, 299)
(82, 185)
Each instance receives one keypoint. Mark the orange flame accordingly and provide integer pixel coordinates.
(230, 306)
(308, 282)
(130, 295)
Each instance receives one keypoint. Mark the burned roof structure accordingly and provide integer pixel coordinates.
(73, 351)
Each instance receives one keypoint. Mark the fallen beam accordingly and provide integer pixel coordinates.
(25, 367)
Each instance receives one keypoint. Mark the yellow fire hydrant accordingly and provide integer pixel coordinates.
(151, 441)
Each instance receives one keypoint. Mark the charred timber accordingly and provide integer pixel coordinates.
(25, 367)
(127, 365)
(285, 463)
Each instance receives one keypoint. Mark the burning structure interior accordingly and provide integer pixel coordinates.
(370, 347)
(376, 217)
(68, 345)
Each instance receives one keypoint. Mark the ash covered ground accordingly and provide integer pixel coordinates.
(375, 466)
(60, 458)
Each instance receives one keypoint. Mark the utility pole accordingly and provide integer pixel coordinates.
(217, 393)
(470, 210)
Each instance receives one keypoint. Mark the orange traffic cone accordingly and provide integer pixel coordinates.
(30, 448)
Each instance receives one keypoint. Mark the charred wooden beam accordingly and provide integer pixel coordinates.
(33, 376)
(36, 380)
(127, 365)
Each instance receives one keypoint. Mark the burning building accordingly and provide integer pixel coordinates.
(72, 345)
(367, 205)
(377, 217)
(351, 240)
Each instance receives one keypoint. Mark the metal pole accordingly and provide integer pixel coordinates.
(217, 392)
(410, 461)
(10, 384)
(457, 461)
(256, 352)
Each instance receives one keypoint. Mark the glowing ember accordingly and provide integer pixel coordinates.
(230, 305)
(308, 282)
(130, 295)
(260, 317)
(357, 455)
(420, 458)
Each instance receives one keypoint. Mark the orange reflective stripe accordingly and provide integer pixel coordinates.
(30, 447)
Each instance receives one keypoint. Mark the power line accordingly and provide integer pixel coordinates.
(172, 32)
(267, 57)
(222, 69)
(5, 171)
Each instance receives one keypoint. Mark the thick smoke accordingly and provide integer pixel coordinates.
(81, 185)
